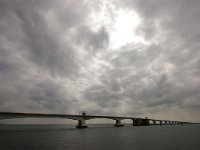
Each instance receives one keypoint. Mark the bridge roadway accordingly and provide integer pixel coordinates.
(82, 119)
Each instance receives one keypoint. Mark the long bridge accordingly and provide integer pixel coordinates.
(81, 118)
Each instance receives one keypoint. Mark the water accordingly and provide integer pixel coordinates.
(99, 137)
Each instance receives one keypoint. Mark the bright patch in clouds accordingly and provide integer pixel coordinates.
(120, 24)
(124, 29)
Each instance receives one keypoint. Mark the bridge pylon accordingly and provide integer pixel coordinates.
(81, 124)
(82, 121)
(118, 123)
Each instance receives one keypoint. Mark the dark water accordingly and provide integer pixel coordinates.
(99, 137)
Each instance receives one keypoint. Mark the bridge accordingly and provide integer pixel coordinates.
(81, 118)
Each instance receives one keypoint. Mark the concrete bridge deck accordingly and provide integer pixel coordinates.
(82, 119)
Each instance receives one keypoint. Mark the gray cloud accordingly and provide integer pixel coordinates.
(102, 96)
(45, 48)
(93, 41)
(53, 59)
(31, 50)
(52, 96)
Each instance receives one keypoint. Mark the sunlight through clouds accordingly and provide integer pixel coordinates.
(131, 57)
(124, 26)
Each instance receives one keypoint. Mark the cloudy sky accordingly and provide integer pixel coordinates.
(108, 57)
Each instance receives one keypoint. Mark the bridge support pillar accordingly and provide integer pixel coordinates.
(118, 123)
(141, 122)
(161, 123)
(81, 124)
(137, 122)
(134, 122)
(145, 122)
(154, 122)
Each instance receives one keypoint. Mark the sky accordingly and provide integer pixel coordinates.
(109, 57)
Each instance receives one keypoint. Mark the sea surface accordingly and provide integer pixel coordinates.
(99, 137)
